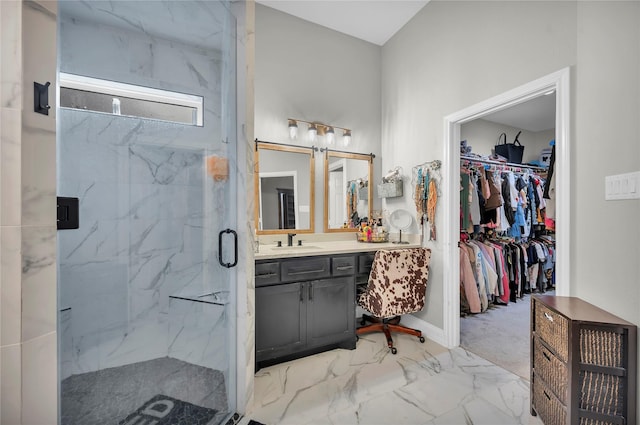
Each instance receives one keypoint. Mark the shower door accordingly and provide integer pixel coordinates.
(146, 284)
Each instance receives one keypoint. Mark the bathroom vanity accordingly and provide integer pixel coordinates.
(306, 297)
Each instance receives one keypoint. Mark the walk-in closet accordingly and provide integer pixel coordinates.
(507, 228)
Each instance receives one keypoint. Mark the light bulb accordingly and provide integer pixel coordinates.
(346, 137)
(331, 135)
(293, 129)
(313, 133)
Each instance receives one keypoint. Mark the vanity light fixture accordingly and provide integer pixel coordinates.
(319, 129)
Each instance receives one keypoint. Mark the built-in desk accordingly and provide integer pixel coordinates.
(306, 297)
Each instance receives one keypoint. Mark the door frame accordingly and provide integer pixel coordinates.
(558, 81)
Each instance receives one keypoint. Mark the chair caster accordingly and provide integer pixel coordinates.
(421, 339)
(394, 350)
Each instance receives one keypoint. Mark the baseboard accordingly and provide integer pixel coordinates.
(429, 331)
(347, 344)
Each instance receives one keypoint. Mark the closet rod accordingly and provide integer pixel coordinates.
(472, 159)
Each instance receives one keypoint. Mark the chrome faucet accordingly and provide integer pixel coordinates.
(290, 239)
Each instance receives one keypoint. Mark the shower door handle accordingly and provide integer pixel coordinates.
(235, 248)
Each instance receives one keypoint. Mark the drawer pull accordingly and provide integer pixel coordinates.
(548, 316)
(305, 272)
(266, 275)
(344, 268)
(546, 356)
(546, 395)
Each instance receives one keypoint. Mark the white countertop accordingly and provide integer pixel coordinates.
(271, 251)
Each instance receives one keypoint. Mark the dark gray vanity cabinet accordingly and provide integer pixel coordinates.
(330, 311)
(304, 305)
(281, 320)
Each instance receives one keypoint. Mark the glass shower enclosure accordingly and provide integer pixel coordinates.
(146, 284)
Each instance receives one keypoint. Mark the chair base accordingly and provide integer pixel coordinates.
(387, 326)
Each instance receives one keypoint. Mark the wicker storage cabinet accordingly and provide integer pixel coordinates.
(583, 364)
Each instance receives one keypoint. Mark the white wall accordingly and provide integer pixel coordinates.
(483, 135)
(454, 54)
(432, 68)
(309, 72)
(605, 234)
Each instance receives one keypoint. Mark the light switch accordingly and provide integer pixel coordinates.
(622, 186)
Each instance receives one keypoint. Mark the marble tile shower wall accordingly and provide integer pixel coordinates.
(27, 208)
(148, 212)
(10, 230)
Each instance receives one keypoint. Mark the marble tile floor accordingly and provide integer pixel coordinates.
(422, 384)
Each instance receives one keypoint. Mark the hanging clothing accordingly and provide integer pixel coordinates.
(468, 283)
(509, 206)
(550, 188)
(488, 264)
(493, 201)
(476, 265)
(474, 208)
(503, 271)
(518, 226)
(465, 202)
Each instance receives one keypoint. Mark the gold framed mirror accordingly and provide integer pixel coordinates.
(348, 190)
(284, 195)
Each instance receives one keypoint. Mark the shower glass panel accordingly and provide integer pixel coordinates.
(146, 284)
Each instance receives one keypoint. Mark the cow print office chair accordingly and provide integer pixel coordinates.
(397, 285)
